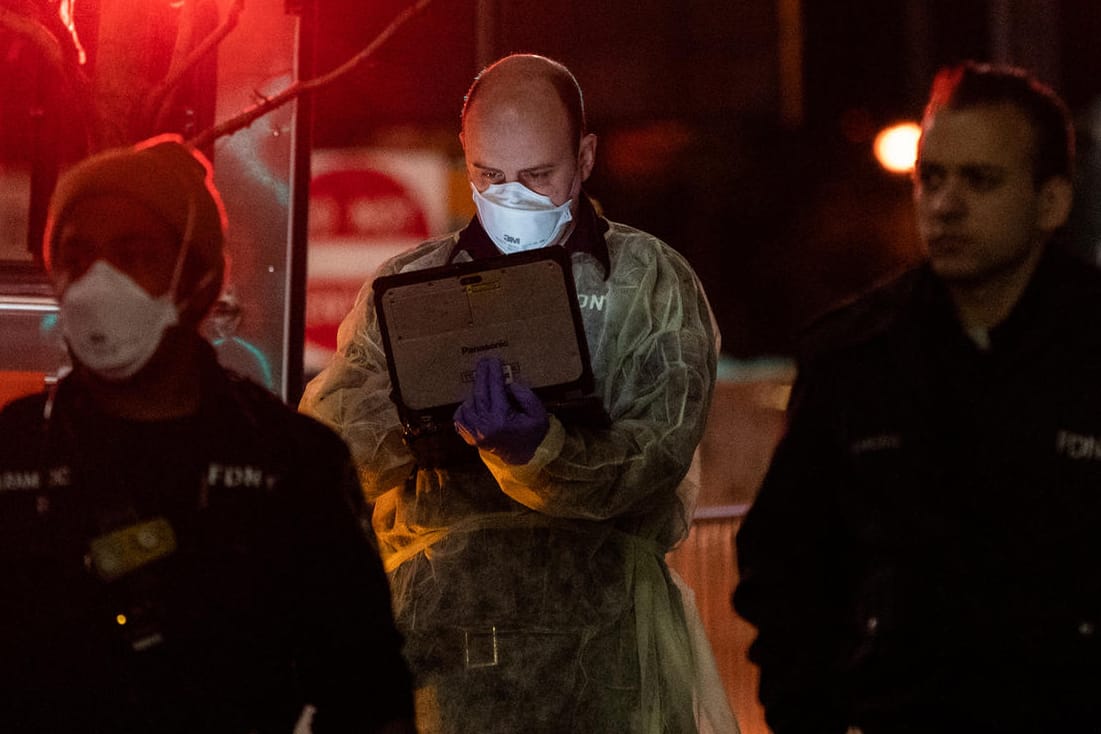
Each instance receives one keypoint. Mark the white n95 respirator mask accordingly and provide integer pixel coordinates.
(518, 219)
(112, 325)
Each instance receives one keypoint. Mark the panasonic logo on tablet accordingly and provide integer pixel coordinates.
(485, 347)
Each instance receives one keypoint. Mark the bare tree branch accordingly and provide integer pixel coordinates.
(157, 103)
(299, 88)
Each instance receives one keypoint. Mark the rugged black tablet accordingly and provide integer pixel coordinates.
(522, 308)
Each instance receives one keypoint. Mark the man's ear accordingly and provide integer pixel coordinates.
(1056, 199)
(586, 156)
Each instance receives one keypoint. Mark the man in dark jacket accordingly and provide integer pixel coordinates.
(923, 555)
(179, 550)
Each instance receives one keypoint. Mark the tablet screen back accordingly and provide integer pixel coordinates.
(436, 323)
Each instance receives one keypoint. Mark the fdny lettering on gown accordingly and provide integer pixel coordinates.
(591, 301)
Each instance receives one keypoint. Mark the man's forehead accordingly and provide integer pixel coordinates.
(110, 210)
(980, 135)
(112, 221)
(510, 106)
(525, 135)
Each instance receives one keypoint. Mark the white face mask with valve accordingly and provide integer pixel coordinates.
(112, 325)
(518, 219)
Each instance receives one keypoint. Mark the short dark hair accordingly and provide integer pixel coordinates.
(564, 83)
(973, 84)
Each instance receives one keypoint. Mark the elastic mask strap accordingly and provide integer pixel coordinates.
(206, 279)
(185, 246)
(188, 236)
(48, 406)
(47, 423)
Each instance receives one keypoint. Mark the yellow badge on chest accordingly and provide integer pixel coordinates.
(119, 552)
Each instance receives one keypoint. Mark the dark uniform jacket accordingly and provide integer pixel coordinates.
(925, 551)
(207, 574)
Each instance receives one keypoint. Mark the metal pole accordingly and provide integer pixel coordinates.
(1000, 24)
(790, 16)
(294, 345)
(485, 21)
(1026, 33)
(919, 70)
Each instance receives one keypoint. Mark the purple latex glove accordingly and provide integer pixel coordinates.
(507, 420)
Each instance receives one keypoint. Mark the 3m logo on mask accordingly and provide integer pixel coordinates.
(1078, 446)
(239, 477)
(518, 219)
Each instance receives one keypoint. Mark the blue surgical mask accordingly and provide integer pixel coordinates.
(518, 219)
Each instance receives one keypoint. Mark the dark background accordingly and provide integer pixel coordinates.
(737, 130)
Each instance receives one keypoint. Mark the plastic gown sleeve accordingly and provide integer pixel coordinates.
(655, 366)
(352, 394)
(654, 359)
(789, 563)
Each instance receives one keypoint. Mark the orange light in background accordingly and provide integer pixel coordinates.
(896, 147)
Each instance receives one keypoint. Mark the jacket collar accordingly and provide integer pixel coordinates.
(214, 389)
(1052, 288)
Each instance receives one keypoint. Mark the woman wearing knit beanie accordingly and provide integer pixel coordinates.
(134, 248)
(180, 551)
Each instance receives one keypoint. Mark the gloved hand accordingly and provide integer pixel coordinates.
(507, 420)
